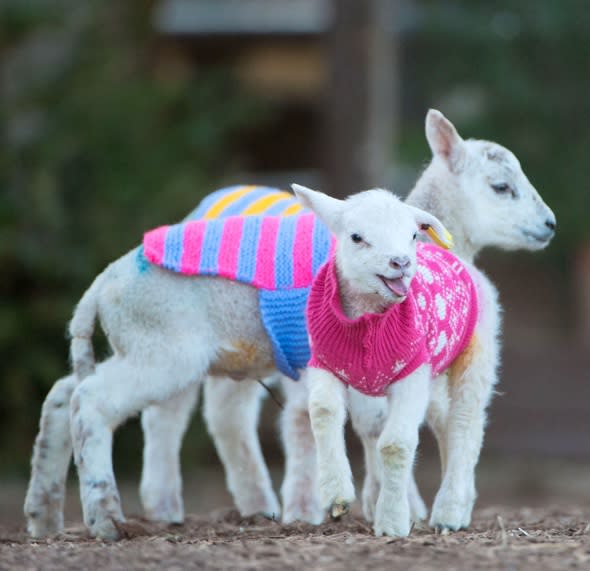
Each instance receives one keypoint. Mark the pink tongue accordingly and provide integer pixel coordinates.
(397, 286)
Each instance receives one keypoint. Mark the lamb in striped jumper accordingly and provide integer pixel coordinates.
(388, 316)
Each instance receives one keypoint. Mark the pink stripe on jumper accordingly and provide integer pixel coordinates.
(229, 248)
(302, 262)
(265, 256)
(154, 244)
(191, 248)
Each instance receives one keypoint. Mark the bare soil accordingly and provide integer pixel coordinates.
(500, 538)
(532, 513)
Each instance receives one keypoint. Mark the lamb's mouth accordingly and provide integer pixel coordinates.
(540, 238)
(395, 285)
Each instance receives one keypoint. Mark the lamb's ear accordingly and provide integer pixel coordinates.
(433, 227)
(444, 140)
(327, 208)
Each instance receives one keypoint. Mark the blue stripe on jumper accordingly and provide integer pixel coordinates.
(210, 249)
(248, 248)
(173, 247)
(283, 317)
(284, 252)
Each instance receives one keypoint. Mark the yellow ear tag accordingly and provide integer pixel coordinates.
(445, 241)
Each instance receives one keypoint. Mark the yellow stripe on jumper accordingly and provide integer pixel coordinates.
(226, 201)
(293, 209)
(261, 205)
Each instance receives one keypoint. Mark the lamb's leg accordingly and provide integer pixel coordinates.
(99, 404)
(164, 426)
(327, 411)
(300, 486)
(418, 509)
(470, 393)
(44, 503)
(231, 410)
(397, 445)
(437, 416)
(368, 416)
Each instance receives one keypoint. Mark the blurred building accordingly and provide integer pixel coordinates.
(300, 56)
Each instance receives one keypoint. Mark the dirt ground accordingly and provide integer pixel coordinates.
(532, 514)
(500, 538)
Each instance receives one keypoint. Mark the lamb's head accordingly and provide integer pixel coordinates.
(499, 206)
(376, 239)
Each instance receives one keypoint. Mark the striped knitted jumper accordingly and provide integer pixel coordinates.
(433, 325)
(278, 255)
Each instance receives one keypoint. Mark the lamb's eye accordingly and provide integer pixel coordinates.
(415, 235)
(356, 238)
(501, 187)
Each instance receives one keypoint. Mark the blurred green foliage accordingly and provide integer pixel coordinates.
(93, 155)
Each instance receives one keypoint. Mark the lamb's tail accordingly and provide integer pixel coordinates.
(81, 331)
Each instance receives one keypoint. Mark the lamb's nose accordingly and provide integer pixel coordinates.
(399, 262)
(551, 223)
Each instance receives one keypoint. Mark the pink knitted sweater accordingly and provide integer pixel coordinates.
(434, 325)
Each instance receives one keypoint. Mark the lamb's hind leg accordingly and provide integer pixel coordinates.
(368, 416)
(104, 400)
(44, 503)
(231, 410)
(471, 381)
(438, 415)
(164, 426)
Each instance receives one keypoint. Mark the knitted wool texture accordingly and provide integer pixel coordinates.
(246, 200)
(434, 324)
(278, 255)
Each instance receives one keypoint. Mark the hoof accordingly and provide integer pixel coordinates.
(107, 530)
(39, 529)
(339, 509)
(445, 529)
(421, 525)
(392, 530)
(171, 517)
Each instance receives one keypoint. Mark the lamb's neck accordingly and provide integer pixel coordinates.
(354, 304)
(436, 193)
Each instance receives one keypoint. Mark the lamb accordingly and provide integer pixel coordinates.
(478, 189)
(462, 169)
(388, 316)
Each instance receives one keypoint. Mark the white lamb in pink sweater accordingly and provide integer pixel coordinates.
(374, 272)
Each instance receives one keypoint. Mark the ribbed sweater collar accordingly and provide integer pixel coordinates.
(366, 348)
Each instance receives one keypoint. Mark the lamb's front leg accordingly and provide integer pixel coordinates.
(300, 487)
(368, 416)
(163, 427)
(327, 411)
(397, 445)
